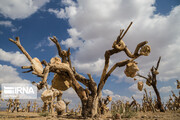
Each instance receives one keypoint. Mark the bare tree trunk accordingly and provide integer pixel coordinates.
(90, 107)
(159, 103)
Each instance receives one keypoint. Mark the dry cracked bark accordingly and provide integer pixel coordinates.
(90, 95)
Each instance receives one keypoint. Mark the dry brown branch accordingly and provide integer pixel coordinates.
(138, 47)
(81, 79)
(45, 73)
(17, 42)
(92, 85)
(69, 59)
(136, 54)
(28, 71)
(65, 55)
(157, 66)
(103, 81)
(126, 30)
(142, 76)
(119, 37)
(26, 67)
(54, 39)
(90, 78)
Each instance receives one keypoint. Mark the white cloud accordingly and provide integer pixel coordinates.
(74, 41)
(165, 89)
(73, 32)
(9, 25)
(108, 92)
(63, 13)
(45, 42)
(91, 67)
(166, 98)
(8, 74)
(115, 96)
(6, 23)
(15, 29)
(68, 2)
(59, 14)
(16, 58)
(99, 27)
(69, 10)
(20, 9)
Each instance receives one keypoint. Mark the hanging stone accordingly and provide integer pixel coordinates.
(60, 106)
(140, 85)
(60, 82)
(47, 95)
(109, 98)
(37, 66)
(131, 69)
(145, 50)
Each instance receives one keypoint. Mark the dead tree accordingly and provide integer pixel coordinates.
(151, 80)
(66, 75)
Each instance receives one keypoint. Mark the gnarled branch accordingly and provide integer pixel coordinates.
(136, 54)
(102, 83)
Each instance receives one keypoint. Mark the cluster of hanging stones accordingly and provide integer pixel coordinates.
(132, 68)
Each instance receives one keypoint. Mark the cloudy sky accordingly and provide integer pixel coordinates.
(90, 27)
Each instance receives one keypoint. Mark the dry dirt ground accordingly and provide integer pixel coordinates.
(169, 115)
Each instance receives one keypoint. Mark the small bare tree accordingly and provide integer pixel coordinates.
(66, 75)
(151, 80)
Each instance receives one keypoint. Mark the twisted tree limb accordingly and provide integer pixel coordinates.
(151, 79)
(118, 47)
(102, 83)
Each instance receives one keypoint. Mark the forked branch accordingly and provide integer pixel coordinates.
(54, 39)
(17, 42)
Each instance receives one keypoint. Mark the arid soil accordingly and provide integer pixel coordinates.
(169, 115)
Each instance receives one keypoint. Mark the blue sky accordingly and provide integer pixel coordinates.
(89, 28)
